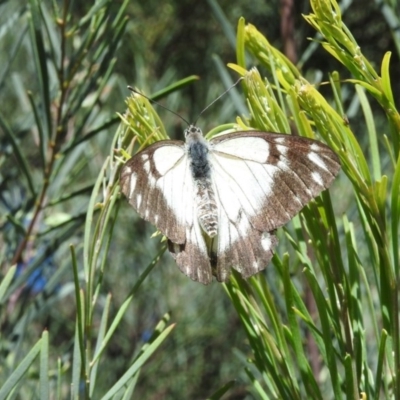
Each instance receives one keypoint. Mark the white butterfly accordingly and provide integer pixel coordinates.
(219, 202)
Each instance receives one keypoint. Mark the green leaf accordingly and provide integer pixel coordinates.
(222, 390)
(20, 371)
(87, 248)
(174, 87)
(379, 366)
(39, 53)
(228, 83)
(13, 52)
(257, 387)
(125, 305)
(76, 364)
(43, 139)
(351, 388)
(385, 74)
(128, 395)
(240, 42)
(59, 379)
(395, 205)
(373, 140)
(93, 12)
(135, 367)
(380, 191)
(80, 308)
(326, 330)
(306, 373)
(17, 150)
(223, 21)
(373, 91)
(5, 282)
(100, 338)
(44, 367)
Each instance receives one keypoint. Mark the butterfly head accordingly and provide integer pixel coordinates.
(193, 132)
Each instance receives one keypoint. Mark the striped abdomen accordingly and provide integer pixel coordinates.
(207, 211)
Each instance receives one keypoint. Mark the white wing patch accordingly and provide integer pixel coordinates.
(282, 149)
(244, 184)
(248, 148)
(315, 147)
(146, 166)
(133, 180)
(166, 157)
(316, 159)
(177, 188)
(280, 140)
(317, 178)
(266, 241)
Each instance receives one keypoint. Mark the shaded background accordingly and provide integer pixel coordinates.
(164, 42)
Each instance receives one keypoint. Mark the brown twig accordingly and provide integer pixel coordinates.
(287, 30)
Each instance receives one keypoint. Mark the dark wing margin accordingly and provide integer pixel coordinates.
(274, 175)
(192, 257)
(262, 180)
(156, 185)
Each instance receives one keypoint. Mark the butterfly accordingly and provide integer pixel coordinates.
(219, 202)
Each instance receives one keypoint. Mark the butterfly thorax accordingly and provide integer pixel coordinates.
(198, 149)
(198, 152)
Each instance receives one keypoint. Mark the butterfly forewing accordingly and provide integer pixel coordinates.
(158, 185)
(273, 176)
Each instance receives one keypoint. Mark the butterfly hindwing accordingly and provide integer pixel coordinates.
(192, 257)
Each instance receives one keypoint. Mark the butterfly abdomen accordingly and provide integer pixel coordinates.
(207, 212)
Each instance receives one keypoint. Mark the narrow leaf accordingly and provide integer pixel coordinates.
(6, 281)
(40, 59)
(222, 390)
(395, 205)
(44, 367)
(138, 364)
(20, 371)
(385, 74)
(17, 151)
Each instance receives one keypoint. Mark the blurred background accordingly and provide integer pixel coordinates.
(159, 43)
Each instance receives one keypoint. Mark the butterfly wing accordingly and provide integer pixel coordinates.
(261, 181)
(192, 257)
(158, 184)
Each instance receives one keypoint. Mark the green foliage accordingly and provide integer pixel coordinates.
(322, 322)
(355, 317)
(73, 62)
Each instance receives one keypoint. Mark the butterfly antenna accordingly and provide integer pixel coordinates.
(222, 94)
(159, 104)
